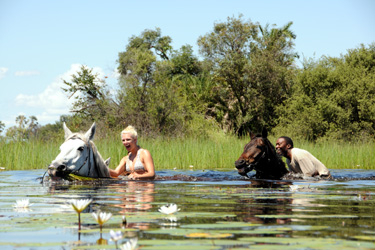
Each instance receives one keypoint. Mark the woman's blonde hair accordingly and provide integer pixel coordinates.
(131, 130)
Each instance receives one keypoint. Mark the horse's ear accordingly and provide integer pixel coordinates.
(252, 135)
(107, 161)
(66, 131)
(91, 132)
(264, 133)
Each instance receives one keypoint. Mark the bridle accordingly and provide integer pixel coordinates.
(87, 160)
(84, 163)
(263, 155)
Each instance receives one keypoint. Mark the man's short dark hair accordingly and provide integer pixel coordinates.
(287, 140)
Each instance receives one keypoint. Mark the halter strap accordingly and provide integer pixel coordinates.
(87, 158)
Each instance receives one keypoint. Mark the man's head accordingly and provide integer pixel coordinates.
(283, 145)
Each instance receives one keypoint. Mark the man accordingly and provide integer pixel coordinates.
(299, 160)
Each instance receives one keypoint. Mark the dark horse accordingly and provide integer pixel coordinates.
(260, 155)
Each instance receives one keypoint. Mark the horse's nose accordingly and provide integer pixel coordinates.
(239, 163)
(61, 168)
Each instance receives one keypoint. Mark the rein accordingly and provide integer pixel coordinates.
(264, 155)
(84, 163)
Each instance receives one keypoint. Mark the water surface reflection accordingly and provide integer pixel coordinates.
(215, 207)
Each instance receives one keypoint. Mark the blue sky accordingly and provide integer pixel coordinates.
(45, 41)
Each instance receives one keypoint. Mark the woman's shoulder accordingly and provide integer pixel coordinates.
(125, 158)
(144, 152)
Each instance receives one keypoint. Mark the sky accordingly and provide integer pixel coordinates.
(44, 42)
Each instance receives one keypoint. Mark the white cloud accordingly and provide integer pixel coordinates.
(53, 101)
(3, 71)
(27, 73)
(115, 74)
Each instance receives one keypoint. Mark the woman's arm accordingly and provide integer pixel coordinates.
(148, 163)
(120, 169)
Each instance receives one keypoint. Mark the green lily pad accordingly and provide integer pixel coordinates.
(364, 237)
(306, 243)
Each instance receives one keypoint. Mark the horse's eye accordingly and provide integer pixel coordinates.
(80, 149)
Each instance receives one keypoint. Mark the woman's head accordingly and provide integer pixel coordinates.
(130, 130)
(129, 138)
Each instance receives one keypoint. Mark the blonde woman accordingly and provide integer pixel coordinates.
(138, 164)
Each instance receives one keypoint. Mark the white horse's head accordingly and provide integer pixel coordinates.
(78, 155)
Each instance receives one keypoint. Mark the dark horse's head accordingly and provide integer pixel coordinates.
(260, 155)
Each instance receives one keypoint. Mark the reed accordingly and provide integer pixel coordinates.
(181, 153)
(341, 155)
(216, 153)
(25, 155)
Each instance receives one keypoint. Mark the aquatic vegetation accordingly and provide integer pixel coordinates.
(101, 218)
(240, 214)
(293, 188)
(116, 236)
(130, 244)
(79, 206)
(169, 209)
(212, 153)
(124, 222)
(23, 203)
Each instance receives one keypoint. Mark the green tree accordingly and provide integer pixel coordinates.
(92, 98)
(271, 71)
(25, 129)
(251, 69)
(150, 89)
(333, 98)
(2, 126)
(137, 66)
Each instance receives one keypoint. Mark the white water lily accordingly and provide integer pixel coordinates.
(293, 188)
(116, 236)
(24, 203)
(172, 208)
(80, 205)
(130, 245)
(101, 217)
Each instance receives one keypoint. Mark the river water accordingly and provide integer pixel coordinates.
(218, 210)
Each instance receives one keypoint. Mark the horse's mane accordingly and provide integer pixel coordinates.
(79, 136)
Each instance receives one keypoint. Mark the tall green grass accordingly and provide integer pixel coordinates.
(180, 153)
(169, 153)
(25, 155)
(343, 155)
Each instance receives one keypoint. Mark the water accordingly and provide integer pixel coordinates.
(218, 210)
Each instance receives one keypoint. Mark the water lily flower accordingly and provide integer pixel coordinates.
(124, 222)
(172, 208)
(130, 245)
(101, 218)
(293, 188)
(24, 203)
(79, 206)
(116, 236)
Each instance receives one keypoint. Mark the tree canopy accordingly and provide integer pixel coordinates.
(244, 78)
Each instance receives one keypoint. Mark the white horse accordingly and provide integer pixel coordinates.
(79, 156)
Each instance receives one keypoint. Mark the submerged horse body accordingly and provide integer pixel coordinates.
(79, 156)
(260, 155)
